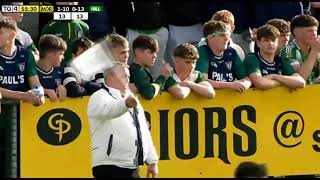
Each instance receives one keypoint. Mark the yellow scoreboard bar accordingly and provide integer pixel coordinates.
(28, 9)
(35, 9)
(46, 9)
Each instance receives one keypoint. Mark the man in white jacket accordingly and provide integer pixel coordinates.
(120, 138)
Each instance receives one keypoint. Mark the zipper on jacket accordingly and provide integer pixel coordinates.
(110, 144)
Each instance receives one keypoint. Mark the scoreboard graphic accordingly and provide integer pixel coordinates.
(59, 12)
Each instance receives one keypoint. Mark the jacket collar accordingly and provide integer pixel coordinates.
(115, 93)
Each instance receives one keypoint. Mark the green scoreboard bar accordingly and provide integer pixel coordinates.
(95, 9)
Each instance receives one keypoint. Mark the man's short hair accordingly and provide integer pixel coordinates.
(282, 25)
(82, 42)
(250, 169)
(303, 21)
(214, 28)
(186, 51)
(224, 16)
(267, 31)
(51, 43)
(113, 70)
(116, 40)
(145, 42)
(8, 22)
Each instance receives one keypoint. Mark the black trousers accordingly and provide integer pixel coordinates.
(111, 171)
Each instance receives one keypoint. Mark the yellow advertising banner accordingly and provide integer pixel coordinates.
(55, 139)
(195, 137)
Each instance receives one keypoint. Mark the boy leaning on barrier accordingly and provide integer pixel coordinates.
(185, 79)
(50, 73)
(17, 66)
(219, 62)
(265, 69)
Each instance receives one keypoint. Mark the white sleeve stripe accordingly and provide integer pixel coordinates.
(101, 80)
(69, 70)
(69, 79)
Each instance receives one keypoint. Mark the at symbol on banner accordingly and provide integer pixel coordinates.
(288, 128)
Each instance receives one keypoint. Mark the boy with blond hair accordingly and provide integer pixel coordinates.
(119, 46)
(77, 87)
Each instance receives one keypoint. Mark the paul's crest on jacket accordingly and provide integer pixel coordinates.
(21, 66)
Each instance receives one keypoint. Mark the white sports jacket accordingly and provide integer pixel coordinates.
(113, 132)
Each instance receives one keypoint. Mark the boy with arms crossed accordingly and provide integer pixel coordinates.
(265, 69)
(185, 78)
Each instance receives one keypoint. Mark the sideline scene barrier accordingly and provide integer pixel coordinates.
(195, 137)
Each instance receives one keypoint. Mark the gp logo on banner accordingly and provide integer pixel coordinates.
(59, 126)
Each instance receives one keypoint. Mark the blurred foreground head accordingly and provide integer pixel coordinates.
(251, 170)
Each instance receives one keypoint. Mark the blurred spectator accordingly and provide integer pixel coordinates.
(80, 45)
(145, 50)
(315, 11)
(219, 62)
(68, 30)
(132, 19)
(48, 67)
(185, 21)
(243, 21)
(306, 7)
(265, 69)
(100, 24)
(264, 11)
(185, 79)
(228, 18)
(44, 18)
(76, 87)
(250, 169)
(303, 51)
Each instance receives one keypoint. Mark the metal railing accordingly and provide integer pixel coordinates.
(9, 117)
